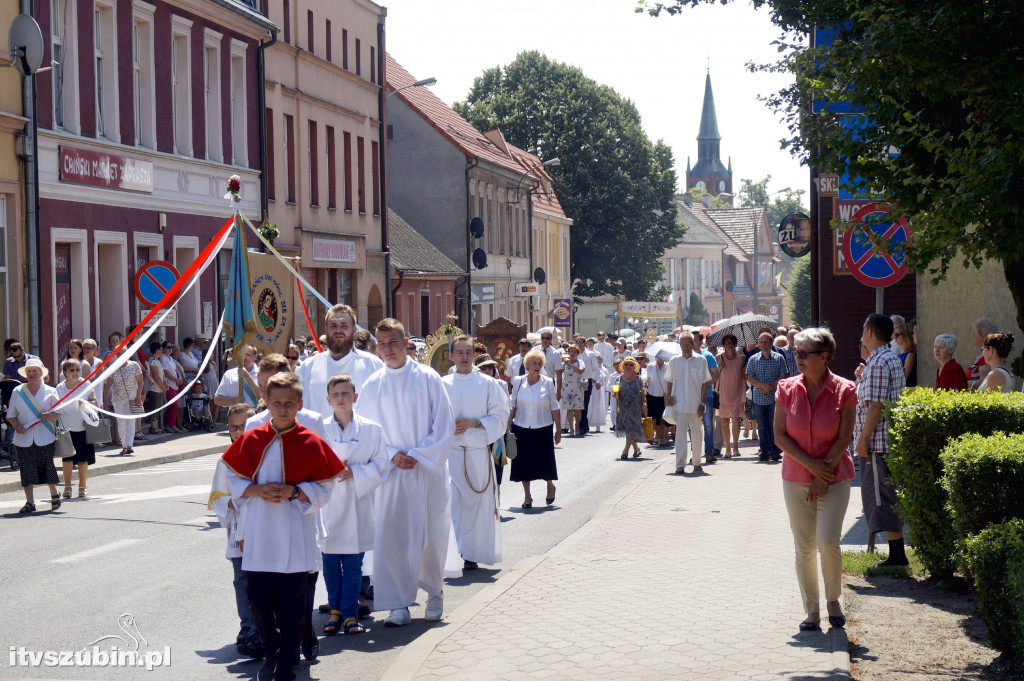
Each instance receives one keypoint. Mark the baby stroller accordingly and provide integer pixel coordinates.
(7, 388)
(197, 409)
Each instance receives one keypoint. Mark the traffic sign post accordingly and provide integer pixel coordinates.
(869, 262)
(154, 280)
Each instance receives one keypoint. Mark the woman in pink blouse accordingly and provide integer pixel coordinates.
(814, 420)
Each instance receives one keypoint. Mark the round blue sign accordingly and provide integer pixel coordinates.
(154, 280)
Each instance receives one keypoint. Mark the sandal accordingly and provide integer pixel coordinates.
(28, 508)
(332, 626)
(83, 492)
(352, 626)
(636, 453)
(67, 492)
(54, 502)
(140, 436)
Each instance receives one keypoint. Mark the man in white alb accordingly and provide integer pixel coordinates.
(481, 407)
(685, 387)
(339, 357)
(412, 516)
(605, 349)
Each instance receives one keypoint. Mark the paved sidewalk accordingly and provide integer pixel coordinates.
(680, 577)
(157, 450)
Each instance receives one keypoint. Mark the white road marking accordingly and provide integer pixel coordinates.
(166, 493)
(98, 551)
(176, 467)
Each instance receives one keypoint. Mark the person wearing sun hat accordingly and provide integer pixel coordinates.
(35, 431)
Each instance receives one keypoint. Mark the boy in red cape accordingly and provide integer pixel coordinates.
(283, 473)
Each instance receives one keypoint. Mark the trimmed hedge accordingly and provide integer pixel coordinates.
(995, 560)
(984, 480)
(921, 423)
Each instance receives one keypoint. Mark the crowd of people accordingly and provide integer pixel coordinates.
(347, 444)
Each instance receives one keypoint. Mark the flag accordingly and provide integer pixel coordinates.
(239, 321)
(270, 292)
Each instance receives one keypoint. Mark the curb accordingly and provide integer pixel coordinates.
(411, 658)
(128, 465)
(840, 655)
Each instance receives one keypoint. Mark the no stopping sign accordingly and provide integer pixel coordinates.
(872, 264)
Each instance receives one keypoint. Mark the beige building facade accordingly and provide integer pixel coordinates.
(12, 207)
(324, 158)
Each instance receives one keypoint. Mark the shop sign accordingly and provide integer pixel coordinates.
(648, 309)
(483, 293)
(795, 235)
(334, 250)
(97, 169)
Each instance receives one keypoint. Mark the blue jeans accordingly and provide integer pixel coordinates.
(765, 414)
(242, 599)
(709, 430)
(343, 575)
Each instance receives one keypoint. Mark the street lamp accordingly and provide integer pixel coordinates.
(546, 164)
(383, 139)
(426, 82)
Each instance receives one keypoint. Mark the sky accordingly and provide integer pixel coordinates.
(659, 63)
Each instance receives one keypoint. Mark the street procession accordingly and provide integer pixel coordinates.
(332, 355)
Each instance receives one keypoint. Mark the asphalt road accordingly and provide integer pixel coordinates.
(143, 545)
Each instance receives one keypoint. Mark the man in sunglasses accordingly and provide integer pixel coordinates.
(16, 359)
(552, 362)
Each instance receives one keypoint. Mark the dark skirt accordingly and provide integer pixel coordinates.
(84, 452)
(536, 455)
(37, 465)
(656, 408)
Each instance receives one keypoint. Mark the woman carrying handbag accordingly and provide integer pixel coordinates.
(35, 432)
(124, 388)
(83, 453)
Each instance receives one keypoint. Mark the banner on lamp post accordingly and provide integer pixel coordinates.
(563, 312)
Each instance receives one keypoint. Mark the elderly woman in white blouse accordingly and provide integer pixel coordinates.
(537, 424)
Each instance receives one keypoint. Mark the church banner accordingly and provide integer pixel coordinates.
(272, 294)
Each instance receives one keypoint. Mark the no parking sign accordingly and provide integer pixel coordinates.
(870, 263)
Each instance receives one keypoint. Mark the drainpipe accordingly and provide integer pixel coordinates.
(28, 96)
(469, 248)
(382, 151)
(261, 98)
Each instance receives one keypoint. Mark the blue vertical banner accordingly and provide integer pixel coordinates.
(239, 320)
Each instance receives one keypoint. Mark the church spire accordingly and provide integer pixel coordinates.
(708, 119)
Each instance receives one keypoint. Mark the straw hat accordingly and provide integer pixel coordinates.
(484, 360)
(34, 362)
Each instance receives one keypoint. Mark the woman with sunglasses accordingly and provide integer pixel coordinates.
(814, 419)
(293, 357)
(85, 453)
(904, 337)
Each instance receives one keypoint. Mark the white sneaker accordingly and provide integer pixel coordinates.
(398, 618)
(435, 607)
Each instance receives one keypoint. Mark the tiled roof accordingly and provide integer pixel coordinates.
(544, 198)
(696, 231)
(701, 213)
(443, 118)
(740, 224)
(411, 252)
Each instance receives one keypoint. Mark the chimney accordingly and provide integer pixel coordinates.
(707, 201)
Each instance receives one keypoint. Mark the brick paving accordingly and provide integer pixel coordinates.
(681, 577)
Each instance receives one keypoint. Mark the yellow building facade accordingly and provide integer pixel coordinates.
(12, 206)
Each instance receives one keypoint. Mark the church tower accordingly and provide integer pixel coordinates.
(709, 173)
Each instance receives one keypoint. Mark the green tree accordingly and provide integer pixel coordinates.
(938, 82)
(616, 185)
(697, 314)
(755, 195)
(698, 195)
(799, 296)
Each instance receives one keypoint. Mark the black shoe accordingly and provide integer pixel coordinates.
(776, 456)
(810, 626)
(266, 672)
(894, 562)
(761, 456)
(311, 648)
(242, 637)
(470, 565)
(838, 621)
(250, 648)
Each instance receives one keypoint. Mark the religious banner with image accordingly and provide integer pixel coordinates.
(271, 291)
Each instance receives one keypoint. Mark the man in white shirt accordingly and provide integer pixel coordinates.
(605, 349)
(413, 519)
(589, 358)
(227, 391)
(657, 375)
(339, 357)
(514, 366)
(686, 385)
(552, 362)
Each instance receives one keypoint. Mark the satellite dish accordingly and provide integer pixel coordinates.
(25, 42)
(729, 286)
(539, 276)
(479, 259)
(476, 228)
